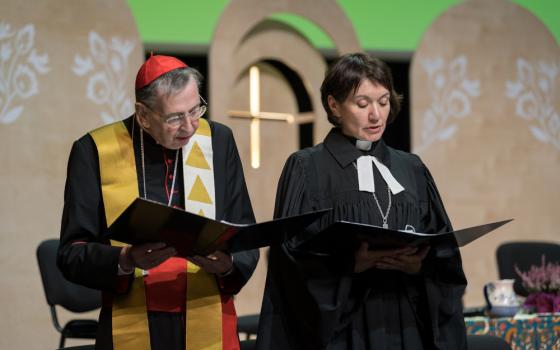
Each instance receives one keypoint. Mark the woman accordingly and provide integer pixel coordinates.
(369, 298)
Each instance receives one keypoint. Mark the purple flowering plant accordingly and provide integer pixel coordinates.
(543, 284)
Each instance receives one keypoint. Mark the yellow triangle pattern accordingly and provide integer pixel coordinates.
(199, 192)
(196, 158)
(201, 213)
(203, 128)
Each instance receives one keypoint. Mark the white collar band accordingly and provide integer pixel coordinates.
(363, 145)
(365, 175)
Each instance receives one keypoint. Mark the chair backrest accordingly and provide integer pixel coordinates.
(58, 290)
(523, 255)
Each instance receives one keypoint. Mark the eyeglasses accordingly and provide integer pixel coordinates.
(177, 119)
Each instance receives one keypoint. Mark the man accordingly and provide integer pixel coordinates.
(165, 153)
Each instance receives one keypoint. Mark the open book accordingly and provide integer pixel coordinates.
(339, 232)
(147, 221)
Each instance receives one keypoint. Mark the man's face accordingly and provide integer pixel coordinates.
(154, 119)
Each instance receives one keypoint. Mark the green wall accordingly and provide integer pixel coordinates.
(396, 25)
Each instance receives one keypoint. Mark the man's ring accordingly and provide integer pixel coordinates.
(149, 251)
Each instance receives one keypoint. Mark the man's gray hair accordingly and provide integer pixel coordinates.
(167, 85)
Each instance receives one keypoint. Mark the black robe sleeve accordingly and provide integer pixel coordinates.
(291, 195)
(444, 278)
(83, 257)
(303, 281)
(237, 208)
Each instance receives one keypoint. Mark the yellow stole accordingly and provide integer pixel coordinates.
(119, 187)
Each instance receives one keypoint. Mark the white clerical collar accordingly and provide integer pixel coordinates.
(363, 145)
(365, 175)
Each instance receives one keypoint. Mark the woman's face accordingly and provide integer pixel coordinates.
(364, 114)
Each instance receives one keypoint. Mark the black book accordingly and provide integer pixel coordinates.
(337, 234)
(146, 221)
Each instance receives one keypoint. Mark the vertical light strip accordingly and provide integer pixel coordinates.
(255, 108)
(255, 143)
(254, 91)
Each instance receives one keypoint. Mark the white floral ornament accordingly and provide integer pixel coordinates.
(534, 91)
(107, 65)
(19, 63)
(450, 92)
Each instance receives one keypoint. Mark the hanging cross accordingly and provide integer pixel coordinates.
(256, 115)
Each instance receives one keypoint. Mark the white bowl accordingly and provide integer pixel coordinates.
(503, 311)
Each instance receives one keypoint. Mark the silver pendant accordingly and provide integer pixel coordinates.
(385, 226)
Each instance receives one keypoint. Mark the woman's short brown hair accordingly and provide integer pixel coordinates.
(345, 76)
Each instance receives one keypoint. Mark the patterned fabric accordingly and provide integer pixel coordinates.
(538, 332)
(204, 305)
(198, 175)
(119, 187)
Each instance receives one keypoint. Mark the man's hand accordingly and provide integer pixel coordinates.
(217, 262)
(145, 256)
(364, 258)
(410, 263)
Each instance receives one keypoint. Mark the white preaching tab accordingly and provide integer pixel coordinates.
(393, 184)
(365, 175)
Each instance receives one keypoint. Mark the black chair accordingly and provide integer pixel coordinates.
(249, 344)
(523, 255)
(248, 325)
(59, 291)
(486, 342)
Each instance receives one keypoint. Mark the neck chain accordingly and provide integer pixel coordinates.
(144, 167)
(386, 215)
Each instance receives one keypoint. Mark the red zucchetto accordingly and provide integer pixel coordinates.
(155, 67)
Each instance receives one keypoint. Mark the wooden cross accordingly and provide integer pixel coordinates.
(256, 115)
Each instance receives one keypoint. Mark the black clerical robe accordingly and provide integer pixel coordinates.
(95, 263)
(314, 300)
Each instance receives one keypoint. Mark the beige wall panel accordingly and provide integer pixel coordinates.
(271, 40)
(240, 16)
(278, 140)
(243, 37)
(50, 97)
(493, 152)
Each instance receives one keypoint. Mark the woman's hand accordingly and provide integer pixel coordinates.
(144, 256)
(217, 262)
(365, 259)
(410, 263)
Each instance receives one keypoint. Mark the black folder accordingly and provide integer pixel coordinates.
(381, 237)
(146, 221)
